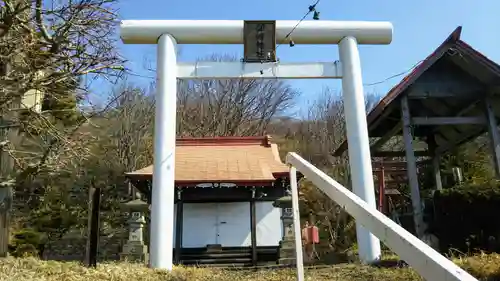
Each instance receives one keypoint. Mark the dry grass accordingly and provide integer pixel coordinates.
(485, 267)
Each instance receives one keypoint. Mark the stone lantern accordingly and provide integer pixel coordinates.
(287, 244)
(135, 249)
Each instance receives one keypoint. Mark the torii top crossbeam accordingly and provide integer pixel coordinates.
(231, 31)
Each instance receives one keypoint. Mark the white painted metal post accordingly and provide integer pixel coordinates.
(357, 137)
(163, 191)
(299, 259)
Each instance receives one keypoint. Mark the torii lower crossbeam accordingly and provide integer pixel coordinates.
(231, 70)
(168, 33)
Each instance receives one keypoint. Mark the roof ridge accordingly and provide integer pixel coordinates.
(418, 69)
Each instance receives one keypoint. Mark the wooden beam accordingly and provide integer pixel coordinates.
(394, 183)
(436, 163)
(93, 226)
(436, 160)
(424, 109)
(381, 191)
(402, 172)
(253, 228)
(494, 135)
(380, 142)
(441, 86)
(426, 94)
(463, 139)
(380, 119)
(442, 149)
(379, 153)
(388, 164)
(178, 227)
(391, 165)
(469, 107)
(438, 108)
(426, 121)
(411, 163)
(237, 194)
(5, 218)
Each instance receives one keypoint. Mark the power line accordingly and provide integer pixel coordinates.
(311, 9)
(450, 52)
(395, 75)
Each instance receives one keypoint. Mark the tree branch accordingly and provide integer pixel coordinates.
(39, 21)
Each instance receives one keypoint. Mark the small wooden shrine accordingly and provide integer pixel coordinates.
(225, 188)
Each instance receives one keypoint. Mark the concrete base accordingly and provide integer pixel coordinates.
(214, 248)
(287, 252)
(135, 252)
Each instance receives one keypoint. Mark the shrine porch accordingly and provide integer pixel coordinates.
(220, 225)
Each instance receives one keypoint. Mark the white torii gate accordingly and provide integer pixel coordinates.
(168, 33)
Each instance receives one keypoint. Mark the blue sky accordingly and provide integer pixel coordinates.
(419, 27)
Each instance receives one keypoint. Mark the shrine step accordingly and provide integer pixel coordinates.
(229, 256)
(227, 266)
(234, 261)
(215, 255)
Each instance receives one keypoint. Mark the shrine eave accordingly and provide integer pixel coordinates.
(244, 161)
(194, 183)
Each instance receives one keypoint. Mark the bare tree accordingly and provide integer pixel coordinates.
(129, 125)
(127, 130)
(123, 142)
(232, 106)
(322, 130)
(47, 47)
(315, 137)
(117, 139)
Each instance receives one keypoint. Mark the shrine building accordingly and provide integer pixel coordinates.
(226, 188)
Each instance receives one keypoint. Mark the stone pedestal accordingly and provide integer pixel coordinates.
(135, 252)
(135, 249)
(287, 244)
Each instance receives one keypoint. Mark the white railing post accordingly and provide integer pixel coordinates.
(163, 191)
(296, 224)
(359, 144)
(421, 257)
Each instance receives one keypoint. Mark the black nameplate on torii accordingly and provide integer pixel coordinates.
(259, 41)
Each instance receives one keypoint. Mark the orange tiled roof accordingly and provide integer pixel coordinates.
(224, 159)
